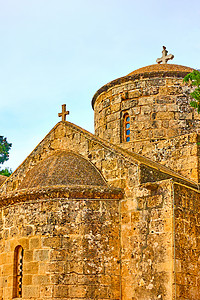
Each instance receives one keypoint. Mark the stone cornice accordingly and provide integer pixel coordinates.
(61, 192)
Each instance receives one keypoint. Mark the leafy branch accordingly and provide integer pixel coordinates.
(6, 172)
(4, 155)
(194, 79)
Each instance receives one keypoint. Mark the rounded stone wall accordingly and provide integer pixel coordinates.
(60, 233)
(70, 247)
(156, 100)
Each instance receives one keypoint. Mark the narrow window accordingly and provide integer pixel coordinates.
(18, 272)
(127, 127)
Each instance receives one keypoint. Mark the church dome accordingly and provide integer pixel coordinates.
(162, 68)
(149, 104)
(151, 71)
(63, 168)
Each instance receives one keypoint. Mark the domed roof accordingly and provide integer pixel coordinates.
(151, 71)
(62, 168)
(163, 68)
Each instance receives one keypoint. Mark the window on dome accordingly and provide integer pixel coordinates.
(127, 130)
(18, 272)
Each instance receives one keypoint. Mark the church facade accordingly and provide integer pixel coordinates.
(115, 214)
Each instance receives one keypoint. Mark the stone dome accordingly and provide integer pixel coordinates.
(151, 71)
(156, 102)
(162, 68)
(63, 168)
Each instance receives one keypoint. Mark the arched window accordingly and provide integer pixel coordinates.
(127, 129)
(18, 272)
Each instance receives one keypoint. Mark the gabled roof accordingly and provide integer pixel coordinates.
(66, 136)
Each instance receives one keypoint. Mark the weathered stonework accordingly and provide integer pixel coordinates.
(68, 248)
(115, 221)
(187, 247)
(181, 153)
(158, 104)
(2, 179)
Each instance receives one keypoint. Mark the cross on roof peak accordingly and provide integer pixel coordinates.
(64, 113)
(164, 59)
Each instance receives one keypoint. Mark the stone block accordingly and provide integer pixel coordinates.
(41, 280)
(30, 268)
(7, 294)
(7, 269)
(154, 201)
(28, 255)
(141, 203)
(57, 254)
(41, 255)
(77, 291)
(134, 94)
(46, 292)
(127, 104)
(55, 267)
(74, 267)
(145, 101)
(52, 242)
(27, 279)
(135, 217)
(34, 242)
(29, 292)
(61, 291)
(42, 267)
(116, 107)
(146, 110)
(165, 115)
(59, 132)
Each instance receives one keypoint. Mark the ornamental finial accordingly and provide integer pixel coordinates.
(164, 59)
(64, 113)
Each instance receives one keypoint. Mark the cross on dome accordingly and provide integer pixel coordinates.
(164, 59)
(64, 113)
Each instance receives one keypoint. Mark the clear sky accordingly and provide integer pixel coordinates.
(62, 51)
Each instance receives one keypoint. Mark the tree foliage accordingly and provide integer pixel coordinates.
(4, 149)
(4, 155)
(6, 172)
(194, 79)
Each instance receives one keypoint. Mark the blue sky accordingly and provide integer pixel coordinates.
(55, 52)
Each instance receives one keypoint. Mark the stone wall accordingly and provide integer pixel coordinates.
(181, 154)
(147, 235)
(187, 242)
(159, 108)
(2, 179)
(140, 255)
(71, 249)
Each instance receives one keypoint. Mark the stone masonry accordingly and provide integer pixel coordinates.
(158, 104)
(101, 218)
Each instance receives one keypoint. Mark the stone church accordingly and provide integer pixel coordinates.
(115, 214)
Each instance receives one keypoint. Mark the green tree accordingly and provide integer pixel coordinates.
(4, 155)
(6, 172)
(194, 79)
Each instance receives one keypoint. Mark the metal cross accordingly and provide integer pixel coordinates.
(64, 113)
(164, 59)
